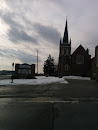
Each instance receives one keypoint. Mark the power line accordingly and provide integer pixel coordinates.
(14, 50)
(4, 16)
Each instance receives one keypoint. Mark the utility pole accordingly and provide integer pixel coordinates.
(37, 61)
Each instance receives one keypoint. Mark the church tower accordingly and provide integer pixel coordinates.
(64, 65)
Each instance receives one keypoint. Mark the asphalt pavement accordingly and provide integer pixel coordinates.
(50, 107)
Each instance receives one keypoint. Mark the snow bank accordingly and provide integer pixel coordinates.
(40, 80)
(76, 77)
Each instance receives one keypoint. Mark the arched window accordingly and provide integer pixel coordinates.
(80, 59)
(66, 68)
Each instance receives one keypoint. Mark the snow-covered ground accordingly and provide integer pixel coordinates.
(76, 77)
(38, 81)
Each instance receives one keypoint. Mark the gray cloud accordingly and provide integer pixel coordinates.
(49, 33)
(16, 35)
(8, 18)
(42, 17)
(24, 57)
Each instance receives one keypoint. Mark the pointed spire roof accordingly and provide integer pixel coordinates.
(66, 27)
(70, 40)
(60, 40)
(65, 38)
(60, 46)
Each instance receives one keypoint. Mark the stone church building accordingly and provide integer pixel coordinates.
(77, 63)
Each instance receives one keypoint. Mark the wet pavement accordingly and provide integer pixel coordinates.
(50, 107)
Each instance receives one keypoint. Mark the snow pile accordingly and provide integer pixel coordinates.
(40, 80)
(76, 77)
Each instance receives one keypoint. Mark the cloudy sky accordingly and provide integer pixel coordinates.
(28, 25)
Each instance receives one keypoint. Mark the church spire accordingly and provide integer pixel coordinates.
(70, 41)
(60, 47)
(65, 38)
(66, 28)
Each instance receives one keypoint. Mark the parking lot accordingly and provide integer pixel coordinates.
(50, 107)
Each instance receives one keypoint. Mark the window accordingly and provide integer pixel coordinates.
(80, 59)
(65, 51)
(66, 68)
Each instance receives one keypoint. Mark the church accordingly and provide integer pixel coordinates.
(78, 63)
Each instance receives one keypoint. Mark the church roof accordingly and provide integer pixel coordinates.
(80, 47)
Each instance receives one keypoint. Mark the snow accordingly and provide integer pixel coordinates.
(76, 77)
(40, 80)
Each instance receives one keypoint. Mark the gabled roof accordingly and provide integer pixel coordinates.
(93, 58)
(80, 47)
(96, 47)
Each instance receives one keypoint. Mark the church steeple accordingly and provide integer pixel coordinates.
(65, 38)
(60, 47)
(64, 65)
(70, 41)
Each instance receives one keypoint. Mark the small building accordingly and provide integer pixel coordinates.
(25, 71)
(81, 62)
(5, 72)
(94, 74)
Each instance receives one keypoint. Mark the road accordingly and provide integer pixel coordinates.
(50, 107)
